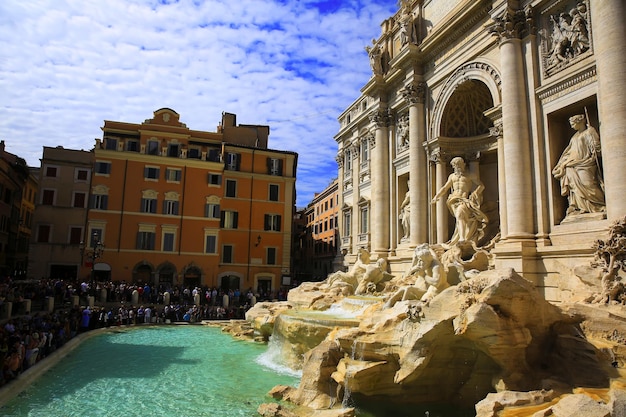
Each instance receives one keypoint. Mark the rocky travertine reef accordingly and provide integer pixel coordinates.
(491, 333)
(446, 334)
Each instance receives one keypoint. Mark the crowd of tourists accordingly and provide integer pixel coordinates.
(30, 335)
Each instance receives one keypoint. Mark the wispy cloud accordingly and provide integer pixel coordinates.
(295, 65)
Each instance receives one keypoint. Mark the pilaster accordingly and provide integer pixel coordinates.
(418, 164)
(379, 219)
(609, 40)
(441, 209)
(515, 125)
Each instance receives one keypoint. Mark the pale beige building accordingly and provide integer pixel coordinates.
(496, 83)
(60, 213)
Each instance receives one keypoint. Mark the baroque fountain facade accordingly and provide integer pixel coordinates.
(482, 218)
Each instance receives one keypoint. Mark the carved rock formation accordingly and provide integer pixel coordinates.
(491, 333)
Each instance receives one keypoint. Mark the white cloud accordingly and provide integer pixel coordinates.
(295, 65)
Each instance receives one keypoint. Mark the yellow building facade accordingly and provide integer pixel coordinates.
(176, 206)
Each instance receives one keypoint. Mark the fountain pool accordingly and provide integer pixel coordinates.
(189, 371)
(151, 371)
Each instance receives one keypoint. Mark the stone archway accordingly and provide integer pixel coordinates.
(479, 71)
(143, 272)
(192, 276)
(463, 125)
(166, 274)
(230, 282)
(464, 113)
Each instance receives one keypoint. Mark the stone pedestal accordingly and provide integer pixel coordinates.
(134, 297)
(6, 310)
(49, 304)
(26, 306)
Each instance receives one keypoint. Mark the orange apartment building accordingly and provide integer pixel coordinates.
(177, 206)
(321, 237)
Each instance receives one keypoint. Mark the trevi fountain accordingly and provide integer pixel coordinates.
(481, 221)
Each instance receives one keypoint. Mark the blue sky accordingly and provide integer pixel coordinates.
(68, 65)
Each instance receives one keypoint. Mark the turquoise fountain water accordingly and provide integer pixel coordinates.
(155, 371)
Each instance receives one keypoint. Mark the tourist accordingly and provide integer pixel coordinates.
(86, 317)
(140, 314)
(147, 314)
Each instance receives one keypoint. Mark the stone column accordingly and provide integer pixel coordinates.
(441, 209)
(356, 195)
(515, 126)
(379, 216)
(472, 161)
(497, 131)
(340, 179)
(418, 163)
(608, 19)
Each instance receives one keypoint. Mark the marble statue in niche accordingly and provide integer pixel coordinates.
(464, 203)
(578, 170)
(405, 213)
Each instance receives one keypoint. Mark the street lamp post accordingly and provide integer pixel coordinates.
(94, 252)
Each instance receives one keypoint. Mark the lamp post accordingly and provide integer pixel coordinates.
(94, 252)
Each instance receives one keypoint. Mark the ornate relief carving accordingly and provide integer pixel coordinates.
(380, 118)
(566, 36)
(402, 133)
(512, 24)
(339, 159)
(438, 156)
(496, 130)
(414, 93)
